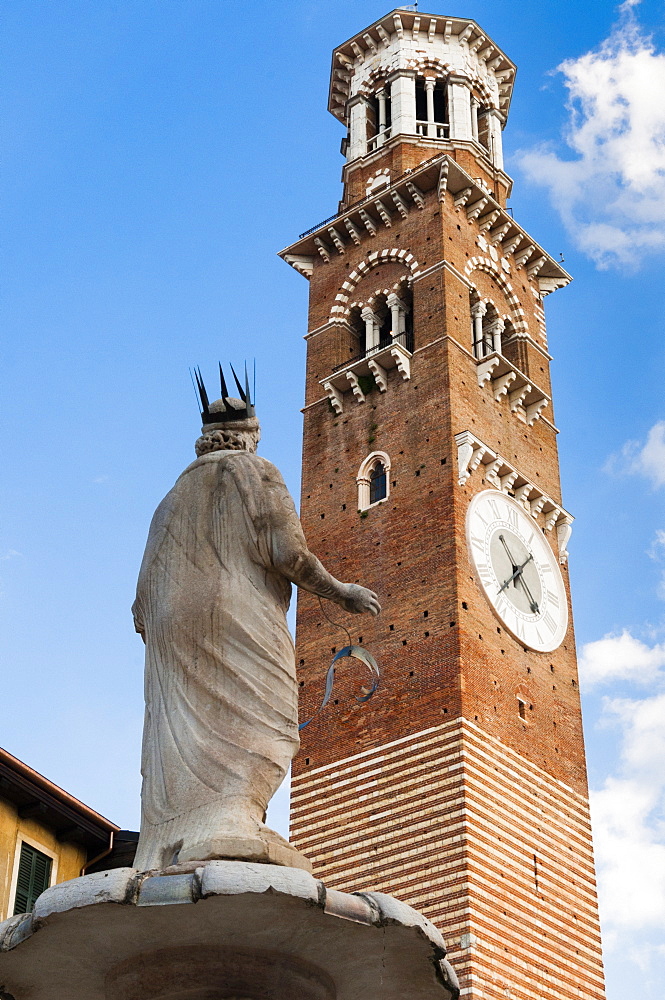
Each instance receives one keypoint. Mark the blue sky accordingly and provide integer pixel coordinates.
(156, 156)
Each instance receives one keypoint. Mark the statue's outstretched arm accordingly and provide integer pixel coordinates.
(292, 558)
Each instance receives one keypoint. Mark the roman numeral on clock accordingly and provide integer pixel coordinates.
(518, 628)
(478, 543)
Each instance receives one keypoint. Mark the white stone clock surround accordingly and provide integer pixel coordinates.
(492, 514)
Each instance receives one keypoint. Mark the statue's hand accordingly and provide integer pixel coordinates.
(359, 600)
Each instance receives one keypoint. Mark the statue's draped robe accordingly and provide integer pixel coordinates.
(220, 686)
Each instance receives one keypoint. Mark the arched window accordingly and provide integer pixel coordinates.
(432, 108)
(373, 480)
(378, 483)
(484, 134)
(379, 118)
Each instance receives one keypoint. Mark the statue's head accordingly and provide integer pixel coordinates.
(229, 424)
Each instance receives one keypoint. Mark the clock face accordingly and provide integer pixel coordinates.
(517, 570)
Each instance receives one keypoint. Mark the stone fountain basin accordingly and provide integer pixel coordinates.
(229, 930)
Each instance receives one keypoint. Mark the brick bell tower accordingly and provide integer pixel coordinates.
(430, 474)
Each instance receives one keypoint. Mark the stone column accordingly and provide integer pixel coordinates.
(357, 127)
(430, 83)
(477, 313)
(496, 331)
(474, 118)
(495, 139)
(403, 102)
(398, 314)
(459, 104)
(382, 109)
(371, 328)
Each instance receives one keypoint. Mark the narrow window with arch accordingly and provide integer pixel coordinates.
(378, 118)
(373, 480)
(377, 483)
(432, 108)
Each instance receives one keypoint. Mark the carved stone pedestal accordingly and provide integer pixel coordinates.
(229, 930)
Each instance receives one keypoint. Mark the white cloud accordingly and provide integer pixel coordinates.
(650, 460)
(611, 194)
(628, 811)
(629, 822)
(657, 552)
(646, 459)
(620, 657)
(9, 554)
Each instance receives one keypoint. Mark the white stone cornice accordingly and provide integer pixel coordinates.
(442, 185)
(400, 37)
(444, 264)
(486, 222)
(416, 194)
(371, 44)
(378, 364)
(383, 212)
(303, 263)
(498, 472)
(368, 222)
(504, 379)
(353, 232)
(337, 239)
(474, 210)
(385, 37)
(439, 176)
(462, 197)
(400, 205)
(335, 397)
(323, 249)
(327, 326)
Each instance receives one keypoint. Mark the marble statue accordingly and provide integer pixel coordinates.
(221, 721)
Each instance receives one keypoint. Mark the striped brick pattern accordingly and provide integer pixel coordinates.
(484, 843)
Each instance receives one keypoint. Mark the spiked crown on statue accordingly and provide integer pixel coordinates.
(227, 409)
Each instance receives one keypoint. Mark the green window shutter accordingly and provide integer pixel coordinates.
(34, 874)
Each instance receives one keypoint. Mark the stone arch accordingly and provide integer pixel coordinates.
(400, 287)
(377, 181)
(443, 69)
(422, 63)
(482, 88)
(374, 81)
(518, 316)
(341, 303)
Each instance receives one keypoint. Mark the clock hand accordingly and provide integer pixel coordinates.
(517, 571)
(509, 553)
(534, 605)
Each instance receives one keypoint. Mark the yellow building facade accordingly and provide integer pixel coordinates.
(46, 835)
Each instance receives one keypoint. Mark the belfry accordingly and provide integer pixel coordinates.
(430, 471)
